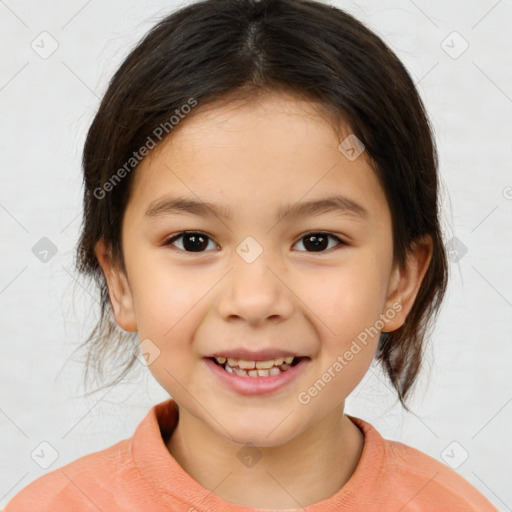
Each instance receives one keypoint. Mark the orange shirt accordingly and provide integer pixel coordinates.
(139, 474)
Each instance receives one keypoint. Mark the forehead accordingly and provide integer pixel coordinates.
(255, 156)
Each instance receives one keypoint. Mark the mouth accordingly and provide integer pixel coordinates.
(262, 377)
(245, 368)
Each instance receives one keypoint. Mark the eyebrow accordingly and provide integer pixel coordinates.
(333, 204)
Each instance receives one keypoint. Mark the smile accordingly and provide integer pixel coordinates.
(256, 377)
(246, 368)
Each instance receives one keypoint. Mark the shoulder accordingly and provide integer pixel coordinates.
(67, 488)
(434, 478)
(421, 480)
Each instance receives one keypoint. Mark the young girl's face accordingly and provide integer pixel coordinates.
(255, 281)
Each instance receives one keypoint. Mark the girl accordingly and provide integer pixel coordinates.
(261, 214)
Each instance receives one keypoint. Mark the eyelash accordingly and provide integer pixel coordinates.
(170, 241)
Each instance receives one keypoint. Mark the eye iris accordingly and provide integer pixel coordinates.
(319, 242)
(199, 242)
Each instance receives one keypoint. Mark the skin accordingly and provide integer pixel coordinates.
(252, 157)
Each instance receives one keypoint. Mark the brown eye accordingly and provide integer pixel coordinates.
(195, 241)
(318, 241)
(192, 241)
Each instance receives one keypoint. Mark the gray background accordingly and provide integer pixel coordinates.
(462, 406)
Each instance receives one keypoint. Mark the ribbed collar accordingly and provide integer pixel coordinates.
(150, 454)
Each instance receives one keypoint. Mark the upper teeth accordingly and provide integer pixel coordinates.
(259, 365)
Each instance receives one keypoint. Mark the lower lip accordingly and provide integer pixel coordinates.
(257, 385)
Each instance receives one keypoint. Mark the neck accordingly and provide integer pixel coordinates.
(307, 469)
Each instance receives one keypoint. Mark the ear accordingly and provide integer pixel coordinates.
(118, 288)
(405, 283)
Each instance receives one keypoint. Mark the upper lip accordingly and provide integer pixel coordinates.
(252, 355)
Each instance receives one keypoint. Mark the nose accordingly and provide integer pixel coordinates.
(255, 292)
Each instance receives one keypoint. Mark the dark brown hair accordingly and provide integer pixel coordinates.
(216, 50)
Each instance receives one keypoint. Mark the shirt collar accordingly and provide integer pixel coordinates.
(150, 454)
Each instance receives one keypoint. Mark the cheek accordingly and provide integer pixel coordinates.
(348, 299)
(167, 300)
(168, 311)
(348, 310)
